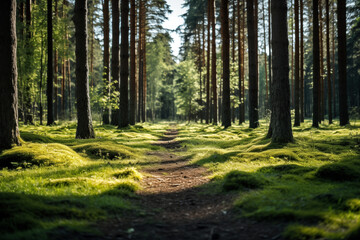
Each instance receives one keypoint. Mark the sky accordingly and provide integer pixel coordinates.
(174, 20)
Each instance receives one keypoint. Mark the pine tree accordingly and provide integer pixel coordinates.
(124, 71)
(316, 62)
(9, 130)
(106, 72)
(115, 54)
(50, 86)
(84, 127)
(133, 97)
(280, 90)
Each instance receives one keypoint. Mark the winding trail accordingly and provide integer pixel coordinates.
(175, 207)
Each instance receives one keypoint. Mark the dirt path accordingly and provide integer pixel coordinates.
(175, 208)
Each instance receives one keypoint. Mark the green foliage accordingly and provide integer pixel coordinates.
(186, 89)
(105, 150)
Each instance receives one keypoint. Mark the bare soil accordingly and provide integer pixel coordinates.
(176, 208)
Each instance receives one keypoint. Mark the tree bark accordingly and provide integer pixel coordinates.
(9, 130)
(56, 70)
(106, 72)
(297, 80)
(115, 66)
(141, 63)
(280, 93)
(224, 8)
(343, 96)
(50, 85)
(133, 97)
(302, 61)
(84, 127)
(124, 71)
(253, 65)
(316, 62)
(328, 61)
(213, 62)
(239, 59)
(208, 97)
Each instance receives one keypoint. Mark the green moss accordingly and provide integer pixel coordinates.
(128, 173)
(34, 154)
(36, 138)
(235, 180)
(299, 232)
(107, 150)
(337, 172)
(286, 169)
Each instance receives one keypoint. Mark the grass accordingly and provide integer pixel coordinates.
(56, 185)
(312, 184)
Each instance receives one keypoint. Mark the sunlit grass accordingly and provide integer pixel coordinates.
(313, 183)
(55, 184)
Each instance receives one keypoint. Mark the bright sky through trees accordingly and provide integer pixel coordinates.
(174, 20)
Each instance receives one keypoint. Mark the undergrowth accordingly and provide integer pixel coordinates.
(312, 184)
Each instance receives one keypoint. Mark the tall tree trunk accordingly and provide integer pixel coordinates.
(208, 97)
(297, 80)
(56, 70)
(265, 59)
(302, 61)
(213, 62)
(239, 60)
(124, 71)
(29, 56)
(333, 58)
(69, 91)
(144, 65)
(133, 97)
(243, 62)
(50, 86)
(224, 11)
(115, 71)
(328, 61)
(41, 79)
(9, 130)
(322, 86)
(141, 63)
(253, 65)
(280, 93)
(343, 96)
(316, 61)
(84, 127)
(106, 72)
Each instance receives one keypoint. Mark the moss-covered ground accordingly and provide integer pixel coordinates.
(55, 184)
(311, 185)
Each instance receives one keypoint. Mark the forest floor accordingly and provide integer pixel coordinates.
(176, 207)
(183, 181)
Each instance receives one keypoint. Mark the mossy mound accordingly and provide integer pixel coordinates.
(124, 188)
(66, 182)
(107, 150)
(35, 154)
(338, 172)
(35, 138)
(286, 169)
(236, 180)
(128, 173)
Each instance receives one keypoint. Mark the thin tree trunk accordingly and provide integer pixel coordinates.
(316, 62)
(9, 130)
(343, 96)
(208, 98)
(265, 63)
(56, 70)
(239, 60)
(333, 58)
(50, 105)
(106, 72)
(133, 97)
(328, 61)
(253, 65)
(213, 62)
(141, 63)
(297, 80)
(84, 127)
(280, 93)
(124, 71)
(226, 108)
(243, 62)
(302, 61)
(115, 71)
(144, 67)
(41, 78)
(322, 87)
